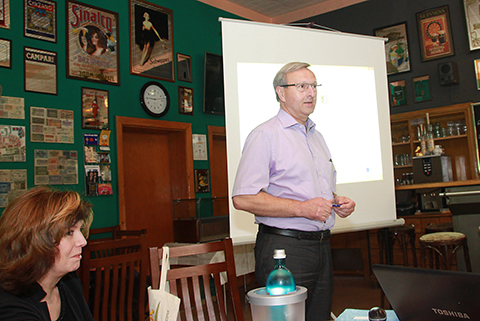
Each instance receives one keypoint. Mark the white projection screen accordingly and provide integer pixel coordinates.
(352, 111)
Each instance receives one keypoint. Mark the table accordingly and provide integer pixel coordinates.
(355, 314)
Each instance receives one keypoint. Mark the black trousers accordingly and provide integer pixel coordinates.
(310, 261)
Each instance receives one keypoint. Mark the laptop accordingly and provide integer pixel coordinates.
(429, 295)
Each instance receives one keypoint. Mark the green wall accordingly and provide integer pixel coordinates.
(196, 30)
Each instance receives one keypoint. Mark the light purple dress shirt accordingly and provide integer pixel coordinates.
(282, 158)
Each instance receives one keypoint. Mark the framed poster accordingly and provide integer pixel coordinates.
(213, 93)
(94, 108)
(398, 93)
(12, 143)
(477, 72)
(40, 71)
(92, 43)
(5, 53)
(396, 48)
(5, 14)
(202, 183)
(40, 20)
(185, 100)
(435, 34)
(49, 125)
(151, 41)
(421, 88)
(184, 67)
(472, 17)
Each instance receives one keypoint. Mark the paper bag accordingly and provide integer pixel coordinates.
(163, 305)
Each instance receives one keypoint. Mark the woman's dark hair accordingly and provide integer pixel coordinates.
(31, 228)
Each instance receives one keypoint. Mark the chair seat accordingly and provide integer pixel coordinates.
(442, 237)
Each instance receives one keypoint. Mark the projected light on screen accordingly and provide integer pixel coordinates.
(352, 111)
(345, 129)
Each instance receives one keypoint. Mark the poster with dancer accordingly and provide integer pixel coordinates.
(151, 41)
(92, 49)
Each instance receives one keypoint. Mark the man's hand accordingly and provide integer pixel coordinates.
(347, 206)
(318, 209)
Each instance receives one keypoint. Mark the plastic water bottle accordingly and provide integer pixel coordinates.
(280, 280)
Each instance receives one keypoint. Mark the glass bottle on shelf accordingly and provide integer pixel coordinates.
(423, 141)
(429, 140)
(437, 131)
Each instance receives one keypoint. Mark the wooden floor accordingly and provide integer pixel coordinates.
(350, 292)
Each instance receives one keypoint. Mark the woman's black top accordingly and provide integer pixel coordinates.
(28, 307)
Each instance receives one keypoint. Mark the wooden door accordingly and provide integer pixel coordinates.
(218, 168)
(155, 166)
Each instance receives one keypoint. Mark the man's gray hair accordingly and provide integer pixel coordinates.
(281, 77)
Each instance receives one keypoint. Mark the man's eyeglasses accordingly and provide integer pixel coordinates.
(301, 87)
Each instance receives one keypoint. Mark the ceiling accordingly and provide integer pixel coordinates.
(279, 11)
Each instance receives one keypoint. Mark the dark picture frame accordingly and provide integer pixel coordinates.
(472, 19)
(184, 67)
(213, 95)
(202, 181)
(398, 93)
(422, 88)
(5, 53)
(435, 34)
(92, 46)
(151, 41)
(41, 70)
(40, 20)
(95, 109)
(396, 47)
(185, 100)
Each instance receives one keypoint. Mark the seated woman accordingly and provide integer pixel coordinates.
(42, 234)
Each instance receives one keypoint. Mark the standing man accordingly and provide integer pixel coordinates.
(287, 179)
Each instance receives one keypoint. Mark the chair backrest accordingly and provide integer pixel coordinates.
(118, 233)
(112, 233)
(188, 282)
(114, 278)
(103, 233)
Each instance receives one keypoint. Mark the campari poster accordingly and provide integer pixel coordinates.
(92, 38)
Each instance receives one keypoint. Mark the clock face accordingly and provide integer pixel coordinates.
(154, 99)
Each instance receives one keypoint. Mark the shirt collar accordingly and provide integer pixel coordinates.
(288, 121)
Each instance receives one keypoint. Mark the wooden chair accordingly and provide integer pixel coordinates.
(114, 278)
(192, 283)
(112, 233)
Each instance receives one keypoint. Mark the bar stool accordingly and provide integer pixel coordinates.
(443, 246)
(405, 235)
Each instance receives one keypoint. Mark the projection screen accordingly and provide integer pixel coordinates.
(352, 110)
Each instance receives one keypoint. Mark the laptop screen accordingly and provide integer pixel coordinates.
(426, 294)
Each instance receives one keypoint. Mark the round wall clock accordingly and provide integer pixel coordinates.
(154, 99)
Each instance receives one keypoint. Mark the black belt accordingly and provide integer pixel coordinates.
(301, 235)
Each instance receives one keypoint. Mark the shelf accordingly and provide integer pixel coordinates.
(444, 138)
(401, 144)
(403, 166)
(438, 185)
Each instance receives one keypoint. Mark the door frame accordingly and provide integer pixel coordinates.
(214, 131)
(180, 144)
